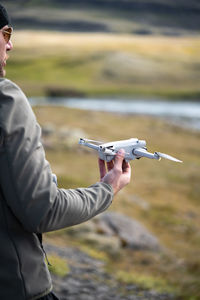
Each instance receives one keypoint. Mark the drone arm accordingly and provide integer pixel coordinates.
(90, 145)
(95, 147)
(139, 152)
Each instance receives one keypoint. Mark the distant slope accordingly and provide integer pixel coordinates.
(133, 16)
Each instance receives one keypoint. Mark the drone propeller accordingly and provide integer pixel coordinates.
(166, 156)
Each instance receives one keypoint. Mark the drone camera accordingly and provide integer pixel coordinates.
(81, 141)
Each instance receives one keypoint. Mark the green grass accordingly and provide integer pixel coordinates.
(106, 64)
(58, 266)
(144, 281)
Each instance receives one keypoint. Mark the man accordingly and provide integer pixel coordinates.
(30, 201)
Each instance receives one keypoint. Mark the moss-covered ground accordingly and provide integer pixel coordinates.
(170, 190)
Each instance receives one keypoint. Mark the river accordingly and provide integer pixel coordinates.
(181, 113)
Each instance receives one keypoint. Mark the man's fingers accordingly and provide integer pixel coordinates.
(110, 165)
(118, 164)
(119, 159)
(102, 168)
(126, 167)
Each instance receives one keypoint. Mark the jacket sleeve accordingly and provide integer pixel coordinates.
(26, 176)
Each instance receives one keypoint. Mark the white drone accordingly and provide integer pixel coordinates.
(133, 147)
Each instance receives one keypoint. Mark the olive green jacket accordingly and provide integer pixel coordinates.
(30, 202)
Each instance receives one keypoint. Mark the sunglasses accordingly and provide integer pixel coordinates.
(7, 33)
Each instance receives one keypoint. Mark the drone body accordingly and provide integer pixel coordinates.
(133, 147)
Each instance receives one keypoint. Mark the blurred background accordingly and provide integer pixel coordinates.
(107, 47)
(110, 70)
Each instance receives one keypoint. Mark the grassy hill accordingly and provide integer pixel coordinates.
(105, 65)
(167, 17)
(147, 48)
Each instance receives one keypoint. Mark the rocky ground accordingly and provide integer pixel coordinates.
(87, 280)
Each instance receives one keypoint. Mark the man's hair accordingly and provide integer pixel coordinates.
(4, 18)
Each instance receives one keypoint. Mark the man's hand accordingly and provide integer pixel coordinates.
(118, 174)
